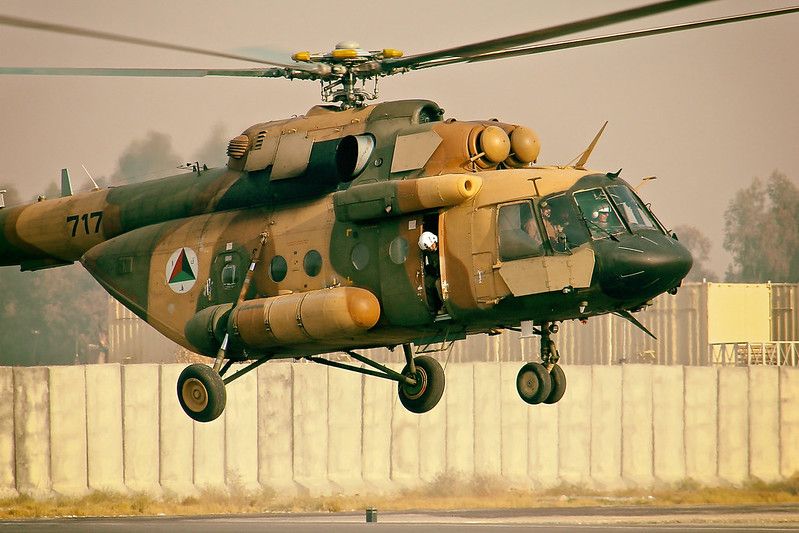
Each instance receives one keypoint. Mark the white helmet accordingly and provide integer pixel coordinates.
(427, 241)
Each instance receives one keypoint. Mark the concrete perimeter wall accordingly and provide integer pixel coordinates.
(304, 428)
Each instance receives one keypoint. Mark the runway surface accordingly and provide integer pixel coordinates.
(727, 519)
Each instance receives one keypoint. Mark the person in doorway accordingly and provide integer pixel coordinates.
(428, 243)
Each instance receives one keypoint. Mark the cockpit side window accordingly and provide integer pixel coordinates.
(561, 223)
(599, 213)
(519, 236)
(633, 211)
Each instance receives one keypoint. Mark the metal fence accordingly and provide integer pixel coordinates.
(778, 353)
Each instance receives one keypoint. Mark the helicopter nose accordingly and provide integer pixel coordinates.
(642, 266)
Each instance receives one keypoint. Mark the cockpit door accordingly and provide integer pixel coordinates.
(528, 260)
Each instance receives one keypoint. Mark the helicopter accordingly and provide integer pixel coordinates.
(360, 225)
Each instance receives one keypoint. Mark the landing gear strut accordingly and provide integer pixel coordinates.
(543, 382)
(420, 384)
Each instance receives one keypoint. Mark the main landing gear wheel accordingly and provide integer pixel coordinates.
(533, 383)
(201, 392)
(558, 378)
(429, 387)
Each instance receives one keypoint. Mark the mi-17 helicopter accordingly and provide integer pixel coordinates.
(357, 226)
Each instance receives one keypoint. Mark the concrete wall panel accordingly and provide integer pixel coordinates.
(8, 487)
(208, 445)
(487, 425)
(140, 423)
(176, 437)
(543, 448)
(574, 427)
(460, 404)
(668, 398)
(701, 424)
(345, 418)
(104, 427)
(789, 421)
(764, 423)
(513, 415)
(241, 432)
(275, 427)
(404, 445)
(32, 431)
(68, 430)
(606, 426)
(378, 396)
(637, 446)
(311, 428)
(433, 440)
(733, 425)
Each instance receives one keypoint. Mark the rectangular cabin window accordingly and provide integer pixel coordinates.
(519, 235)
(124, 265)
(229, 276)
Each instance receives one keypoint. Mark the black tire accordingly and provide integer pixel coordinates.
(429, 388)
(558, 378)
(201, 392)
(533, 383)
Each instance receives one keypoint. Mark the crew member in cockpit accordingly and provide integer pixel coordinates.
(550, 227)
(602, 214)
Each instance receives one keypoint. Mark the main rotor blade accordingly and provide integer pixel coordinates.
(588, 41)
(512, 41)
(274, 72)
(82, 32)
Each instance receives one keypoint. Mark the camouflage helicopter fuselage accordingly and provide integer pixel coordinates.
(329, 207)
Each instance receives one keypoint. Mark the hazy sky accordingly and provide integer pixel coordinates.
(705, 110)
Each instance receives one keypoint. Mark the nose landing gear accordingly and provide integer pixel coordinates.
(543, 382)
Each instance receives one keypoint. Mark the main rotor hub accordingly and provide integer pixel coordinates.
(340, 76)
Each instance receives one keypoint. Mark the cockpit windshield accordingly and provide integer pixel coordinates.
(599, 213)
(633, 211)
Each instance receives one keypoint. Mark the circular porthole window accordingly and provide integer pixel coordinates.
(398, 250)
(278, 268)
(360, 256)
(312, 263)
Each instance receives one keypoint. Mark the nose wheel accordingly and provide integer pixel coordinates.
(543, 382)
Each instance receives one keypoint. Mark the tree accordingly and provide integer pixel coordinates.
(699, 246)
(50, 316)
(762, 231)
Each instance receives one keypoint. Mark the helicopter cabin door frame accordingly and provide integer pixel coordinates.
(512, 254)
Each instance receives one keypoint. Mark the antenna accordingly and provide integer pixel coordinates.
(96, 188)
(644, 180)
